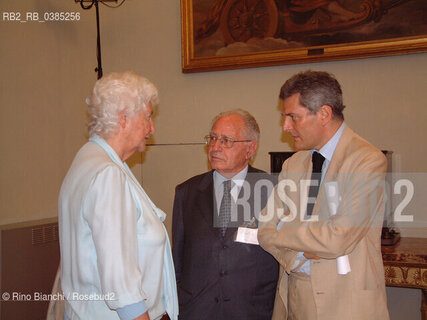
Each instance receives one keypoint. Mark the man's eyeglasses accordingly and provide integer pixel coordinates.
(224, 141)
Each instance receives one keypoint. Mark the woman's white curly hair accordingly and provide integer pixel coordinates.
(118, 92)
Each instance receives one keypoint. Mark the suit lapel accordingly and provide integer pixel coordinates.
(301, 171)
(206, 201)
(333, 169)
(339, 155)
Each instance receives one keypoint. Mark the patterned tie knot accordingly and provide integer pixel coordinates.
(227, 186)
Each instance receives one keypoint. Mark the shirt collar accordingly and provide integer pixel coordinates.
(237, 179)
(329, 148)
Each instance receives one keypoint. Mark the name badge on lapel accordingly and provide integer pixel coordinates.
(247, 233)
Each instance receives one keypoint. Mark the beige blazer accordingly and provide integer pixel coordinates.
(359, 169)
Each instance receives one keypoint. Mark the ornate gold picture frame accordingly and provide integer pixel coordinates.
(234, 34)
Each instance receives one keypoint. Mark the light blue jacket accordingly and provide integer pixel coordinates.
(115, 249)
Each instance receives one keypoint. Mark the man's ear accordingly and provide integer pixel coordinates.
(252, 148)
(123, 119)
(325, 114)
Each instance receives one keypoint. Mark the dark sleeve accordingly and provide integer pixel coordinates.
(178, 231)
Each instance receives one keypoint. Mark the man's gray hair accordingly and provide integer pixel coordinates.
(118, 92)
(251, 130)
(316, 88)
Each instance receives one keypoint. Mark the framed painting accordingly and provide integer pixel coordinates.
(232, 34)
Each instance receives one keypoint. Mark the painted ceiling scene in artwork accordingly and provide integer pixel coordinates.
(223, 27)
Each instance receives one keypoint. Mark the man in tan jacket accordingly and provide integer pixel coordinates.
(323, 221)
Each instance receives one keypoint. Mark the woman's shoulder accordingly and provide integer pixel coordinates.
(90, 161)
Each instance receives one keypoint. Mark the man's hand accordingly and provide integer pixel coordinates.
(309, 255)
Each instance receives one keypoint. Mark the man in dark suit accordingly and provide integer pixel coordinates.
(219, 278)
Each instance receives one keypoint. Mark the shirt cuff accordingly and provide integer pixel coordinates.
(300, 257)
(132, 311)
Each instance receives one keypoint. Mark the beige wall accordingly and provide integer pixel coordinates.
(47, 71)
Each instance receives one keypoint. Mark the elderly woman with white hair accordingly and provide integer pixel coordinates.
(116, 260)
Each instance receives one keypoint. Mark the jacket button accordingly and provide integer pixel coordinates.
(223, 273)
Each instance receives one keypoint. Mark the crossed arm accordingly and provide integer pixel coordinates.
(361, 208)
